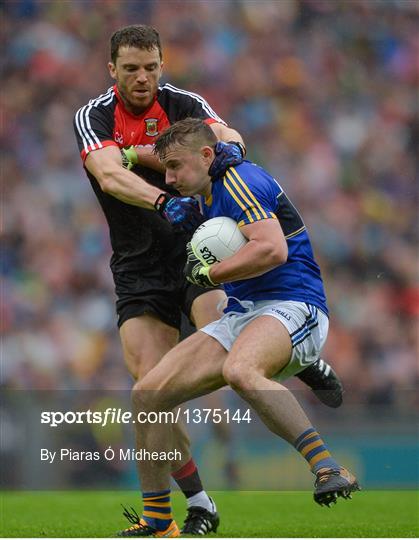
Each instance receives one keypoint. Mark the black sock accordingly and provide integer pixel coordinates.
(187, 478)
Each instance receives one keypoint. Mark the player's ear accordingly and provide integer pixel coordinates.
(207, 153)
(112, 70)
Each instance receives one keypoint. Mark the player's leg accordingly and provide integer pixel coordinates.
(319, 376)
(193, 368)
(201, 306)
(224, 435)
(206, 308)
(145, 340)
(148, 329)
(262, 349)
(179, 376)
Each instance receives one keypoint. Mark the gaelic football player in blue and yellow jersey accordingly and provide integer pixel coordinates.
(274, 325)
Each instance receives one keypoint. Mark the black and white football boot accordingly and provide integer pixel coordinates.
(200, 521)
(324, 382)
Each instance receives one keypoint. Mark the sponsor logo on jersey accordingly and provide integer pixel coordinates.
(151, 127)
(119, 138)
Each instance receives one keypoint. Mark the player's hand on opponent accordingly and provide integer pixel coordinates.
(195, 271)
(129, 157)
(226, 155)
(182, 212)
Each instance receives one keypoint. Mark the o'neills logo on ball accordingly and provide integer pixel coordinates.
(151, 127)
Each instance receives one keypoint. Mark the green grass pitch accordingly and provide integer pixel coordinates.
(243, 514)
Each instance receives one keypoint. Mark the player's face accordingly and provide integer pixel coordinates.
(137, 73)
(187, 171)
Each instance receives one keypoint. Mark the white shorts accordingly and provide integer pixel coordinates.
(306, 324)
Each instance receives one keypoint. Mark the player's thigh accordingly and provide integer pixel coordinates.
(145, 340)
(193, 368)
(202, 306)
(264, 345)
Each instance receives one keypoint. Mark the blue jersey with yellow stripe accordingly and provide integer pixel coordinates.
(247, 193)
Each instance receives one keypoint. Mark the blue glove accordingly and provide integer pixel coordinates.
(182, 212)
(197, 272)
(226, 155)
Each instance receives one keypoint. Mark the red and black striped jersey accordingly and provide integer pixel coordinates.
(140, 238)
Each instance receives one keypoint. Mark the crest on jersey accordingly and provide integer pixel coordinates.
(151, 127)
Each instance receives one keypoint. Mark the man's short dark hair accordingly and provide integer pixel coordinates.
(193, 133)
(136, 35)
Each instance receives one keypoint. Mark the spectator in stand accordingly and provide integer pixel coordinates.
(346, 148)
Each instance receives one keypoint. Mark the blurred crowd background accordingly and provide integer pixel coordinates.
(325, 95)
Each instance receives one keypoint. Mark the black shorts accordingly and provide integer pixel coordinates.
(161, 295)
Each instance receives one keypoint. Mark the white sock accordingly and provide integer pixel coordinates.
(201, 499)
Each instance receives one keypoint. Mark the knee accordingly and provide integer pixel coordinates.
(154, 392)
(145, 396)
(237, 376)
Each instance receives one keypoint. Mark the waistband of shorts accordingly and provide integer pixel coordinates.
(253, 305)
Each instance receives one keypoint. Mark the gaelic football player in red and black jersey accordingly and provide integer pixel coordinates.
(150, 225)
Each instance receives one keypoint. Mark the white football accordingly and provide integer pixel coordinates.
(217, 239)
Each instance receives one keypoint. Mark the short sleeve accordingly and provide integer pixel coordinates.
(93, 127)
(248, 196)
(181, 104)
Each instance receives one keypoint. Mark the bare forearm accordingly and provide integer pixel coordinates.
(230, 134)
(106, 166)
(252, 260)
(129, 188)
(226, 134)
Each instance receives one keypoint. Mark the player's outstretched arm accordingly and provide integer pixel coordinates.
(105, 165)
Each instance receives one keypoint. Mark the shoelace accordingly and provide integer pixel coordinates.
(324, 476)
(134, 518)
